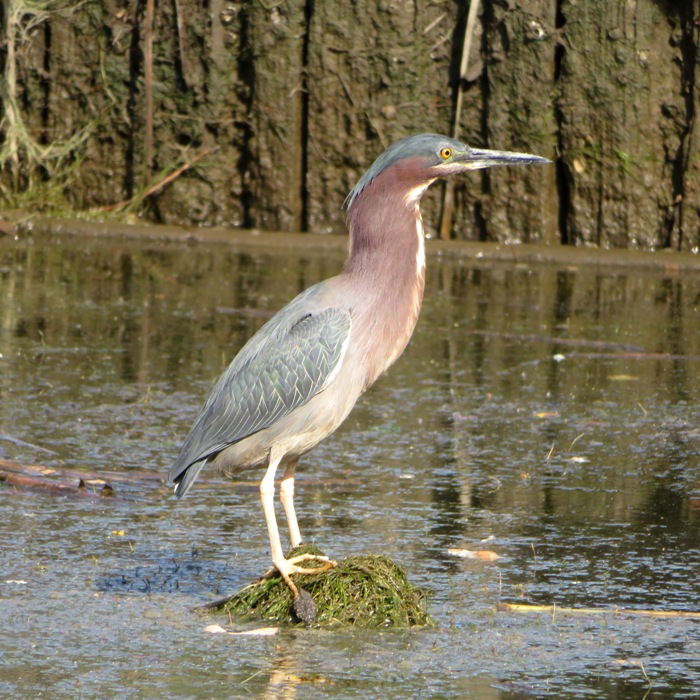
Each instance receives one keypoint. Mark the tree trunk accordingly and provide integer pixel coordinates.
(628, 78)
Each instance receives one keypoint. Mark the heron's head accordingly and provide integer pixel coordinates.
(413, 163)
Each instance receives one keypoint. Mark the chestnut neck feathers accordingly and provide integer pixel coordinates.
(386, 265)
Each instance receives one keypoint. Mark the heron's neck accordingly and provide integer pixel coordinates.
(386, 271)
(386, 238)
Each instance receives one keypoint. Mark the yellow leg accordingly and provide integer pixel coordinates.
(287, 498)
(267, 498)
(286, 567)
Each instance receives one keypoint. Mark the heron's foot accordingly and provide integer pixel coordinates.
(304, 606)
(327, 564)
(287, 567)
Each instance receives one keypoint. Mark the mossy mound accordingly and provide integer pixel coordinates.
(362, 591)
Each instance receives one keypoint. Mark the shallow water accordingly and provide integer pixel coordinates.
(548, 414)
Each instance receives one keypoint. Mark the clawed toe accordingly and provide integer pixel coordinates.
(304, 606)
(287, 567)
(327, 564)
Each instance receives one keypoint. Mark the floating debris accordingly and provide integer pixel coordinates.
(482, 554)
(259, 632)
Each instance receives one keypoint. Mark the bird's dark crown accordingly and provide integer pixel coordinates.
(424, 148)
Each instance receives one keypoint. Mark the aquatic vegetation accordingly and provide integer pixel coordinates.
(362, 591)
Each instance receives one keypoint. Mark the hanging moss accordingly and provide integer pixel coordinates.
(362, 591)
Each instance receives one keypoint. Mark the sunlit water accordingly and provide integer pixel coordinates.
(549, 415)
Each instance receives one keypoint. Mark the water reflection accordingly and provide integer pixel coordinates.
(547, 413)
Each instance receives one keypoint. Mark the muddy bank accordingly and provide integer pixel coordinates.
(330, 243)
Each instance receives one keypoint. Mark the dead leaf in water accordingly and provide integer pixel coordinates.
(482, 554)
(259, 632)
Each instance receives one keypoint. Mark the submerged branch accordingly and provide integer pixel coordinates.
(41, 483)
(554, 609)
(631, 352)
(18, 441)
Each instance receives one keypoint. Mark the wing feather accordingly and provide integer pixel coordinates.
(272, 376)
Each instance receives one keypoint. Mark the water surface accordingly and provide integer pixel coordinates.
(546, 413)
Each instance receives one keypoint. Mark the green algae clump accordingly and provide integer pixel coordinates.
(361, 591)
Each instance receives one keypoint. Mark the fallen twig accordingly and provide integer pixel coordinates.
(630, 352)
(634, 356)
(576, 342)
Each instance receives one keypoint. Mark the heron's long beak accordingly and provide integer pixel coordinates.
(476, 158)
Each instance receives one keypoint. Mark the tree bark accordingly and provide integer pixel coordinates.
(293, 100)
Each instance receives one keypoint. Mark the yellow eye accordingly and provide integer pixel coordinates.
(445, 153)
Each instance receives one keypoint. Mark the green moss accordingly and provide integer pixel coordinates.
(624, 161)
(362, 591)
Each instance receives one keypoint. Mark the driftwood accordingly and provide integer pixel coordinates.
(142, 485)
(34, 482)
(6, 228)
(79, 483)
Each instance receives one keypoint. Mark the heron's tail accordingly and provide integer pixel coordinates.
(184, 480)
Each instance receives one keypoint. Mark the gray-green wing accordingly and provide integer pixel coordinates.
(286, 364)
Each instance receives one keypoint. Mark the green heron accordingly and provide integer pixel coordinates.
(299, 376)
